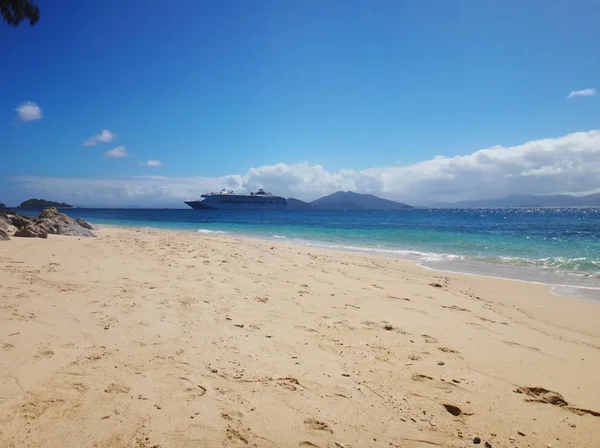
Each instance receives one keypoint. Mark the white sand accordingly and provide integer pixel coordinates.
(153, 338)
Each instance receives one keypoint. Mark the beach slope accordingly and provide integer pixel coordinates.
(151, 338)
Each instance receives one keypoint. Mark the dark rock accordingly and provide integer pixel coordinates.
(50, 212)
(454, 410)
(56, 223)
(476, 440)
(83, 223)
(487, 445)
(20, 221)
(6, 228)
(31, 231)
(4, 223)
(8, 214)
(50, 221)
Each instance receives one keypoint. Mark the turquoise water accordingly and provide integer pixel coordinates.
(559, 246)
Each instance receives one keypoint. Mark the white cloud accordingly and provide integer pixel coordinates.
(584, 92)
(568, 164)
(152, 163)
(29, 111)
(118, 152)
(105, 136)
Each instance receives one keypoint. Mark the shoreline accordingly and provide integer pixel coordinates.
(148, 337)
(568, 291)
(413, 265)
(571, 291)
(567, 275)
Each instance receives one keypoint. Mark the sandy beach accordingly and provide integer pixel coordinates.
(151, 338)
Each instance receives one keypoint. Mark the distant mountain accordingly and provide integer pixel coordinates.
(297, 204)
(555, 200)
(42, 203)
(2, 205)
(348, 200)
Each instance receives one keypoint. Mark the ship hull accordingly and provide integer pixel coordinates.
(251, 203)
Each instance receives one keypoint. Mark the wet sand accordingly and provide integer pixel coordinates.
(151, 338)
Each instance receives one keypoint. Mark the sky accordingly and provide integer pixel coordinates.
(117, 103)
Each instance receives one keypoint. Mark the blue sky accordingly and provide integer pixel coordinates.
(213, 89)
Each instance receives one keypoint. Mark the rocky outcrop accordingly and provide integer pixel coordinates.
(31, 231)
(20, 221)
(56, 223)
(26, 227)
(83, 223)
(4, 224)
(50, 222)
(50, 213)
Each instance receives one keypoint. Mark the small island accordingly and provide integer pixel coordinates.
(42, 203)
(2, 206)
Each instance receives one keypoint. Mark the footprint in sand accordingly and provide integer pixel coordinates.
(389, 327)
(485, 319)
(193, 390)
(232, 415)
(398, 298)
(44, 353)
(429, 339)
(541, 395)
(456, 308)
(79, 387)
(317, 425)
(447, 350)
(234, 435)
(420, 377)
(289, 383)
(114, 388)
(186, 301)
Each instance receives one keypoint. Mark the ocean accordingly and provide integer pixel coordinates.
(555, 246)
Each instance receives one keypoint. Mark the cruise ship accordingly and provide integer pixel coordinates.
(228, 200)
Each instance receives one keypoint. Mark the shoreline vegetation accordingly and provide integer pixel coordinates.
(166, 338)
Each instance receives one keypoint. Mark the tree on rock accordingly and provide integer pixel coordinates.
(15, 11)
